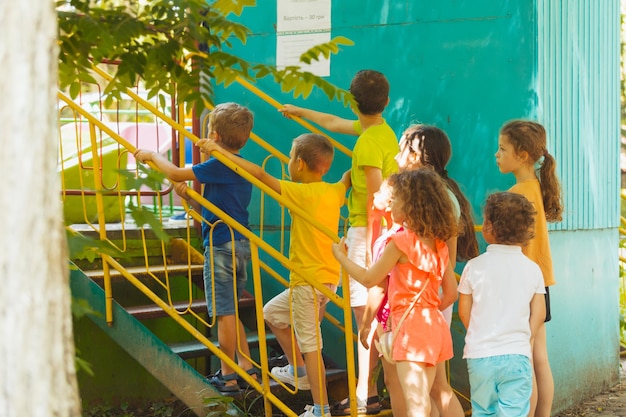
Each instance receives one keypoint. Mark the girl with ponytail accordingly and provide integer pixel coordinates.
(522, 151)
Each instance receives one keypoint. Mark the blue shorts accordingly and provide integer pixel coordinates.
(500, 385)
(230, 276)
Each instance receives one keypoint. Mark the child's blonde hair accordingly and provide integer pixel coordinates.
(316, 151)
(233, 123)
(511, 218)
(425, 203)
(530, 137)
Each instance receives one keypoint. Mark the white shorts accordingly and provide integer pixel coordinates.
(355, 239)
(307, 305)
(447, 314)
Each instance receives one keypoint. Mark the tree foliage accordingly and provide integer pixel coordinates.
(176, 46)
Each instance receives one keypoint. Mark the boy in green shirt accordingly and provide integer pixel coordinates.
(373, 160)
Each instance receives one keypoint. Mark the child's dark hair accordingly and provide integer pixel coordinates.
(530, 137)
(425, 203)
(315, 150)
(233, 123)
(371, 91)
(433, 148)
(511, 218)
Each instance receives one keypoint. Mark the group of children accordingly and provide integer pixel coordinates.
(408, 225)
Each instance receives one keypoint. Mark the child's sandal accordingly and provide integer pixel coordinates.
(243, 383)
(373, 405)
(219, 381)
(342, 408)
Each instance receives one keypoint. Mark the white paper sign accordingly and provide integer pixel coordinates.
(301, 25)
(303, 15)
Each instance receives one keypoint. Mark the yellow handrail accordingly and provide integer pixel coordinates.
(258, 92)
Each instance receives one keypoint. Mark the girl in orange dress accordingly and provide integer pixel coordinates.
(415, 258)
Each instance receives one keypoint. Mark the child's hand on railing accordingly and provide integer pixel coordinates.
(207, 146)
(340, 249)
(143, 155)
(289, 110)
(181, 189)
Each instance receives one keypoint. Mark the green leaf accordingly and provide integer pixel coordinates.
(82, 308)
(227, 7)
(143, 216)
(84, 247)
(74, 90)
(87, 78)
(324, 49)
(83, 365)
(148, 177)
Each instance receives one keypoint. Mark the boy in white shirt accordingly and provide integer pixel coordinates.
(502, 305)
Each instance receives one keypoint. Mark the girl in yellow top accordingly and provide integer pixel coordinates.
(521, 147)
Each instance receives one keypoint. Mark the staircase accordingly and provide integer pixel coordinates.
(168, 361)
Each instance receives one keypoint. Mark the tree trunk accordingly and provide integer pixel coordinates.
(37, 375)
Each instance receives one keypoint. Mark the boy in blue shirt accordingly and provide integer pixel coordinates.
(230, 125)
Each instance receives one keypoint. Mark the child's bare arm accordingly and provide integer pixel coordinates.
(346, 179)
(452, 249)
(375, 296)
(326, 120)
(208, 145)
(377, 272)
(465, 308)
(170, 170)
(537, 313)
(449, 289)
(181, 189)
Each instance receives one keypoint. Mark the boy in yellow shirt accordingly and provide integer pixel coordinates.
(311, 251)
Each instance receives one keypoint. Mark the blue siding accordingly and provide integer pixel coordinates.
(578, 88)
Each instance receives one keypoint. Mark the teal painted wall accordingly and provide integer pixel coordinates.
(465, 66)
(468, 67)
(583, 336)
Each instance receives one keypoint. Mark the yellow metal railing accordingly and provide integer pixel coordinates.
(97, 130)
(258, 92)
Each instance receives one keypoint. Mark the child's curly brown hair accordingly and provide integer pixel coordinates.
(425, 202)
(510, 217)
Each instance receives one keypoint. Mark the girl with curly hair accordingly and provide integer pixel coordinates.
(416, 259)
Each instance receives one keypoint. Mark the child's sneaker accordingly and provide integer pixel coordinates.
(308, 411)
(282, 374)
